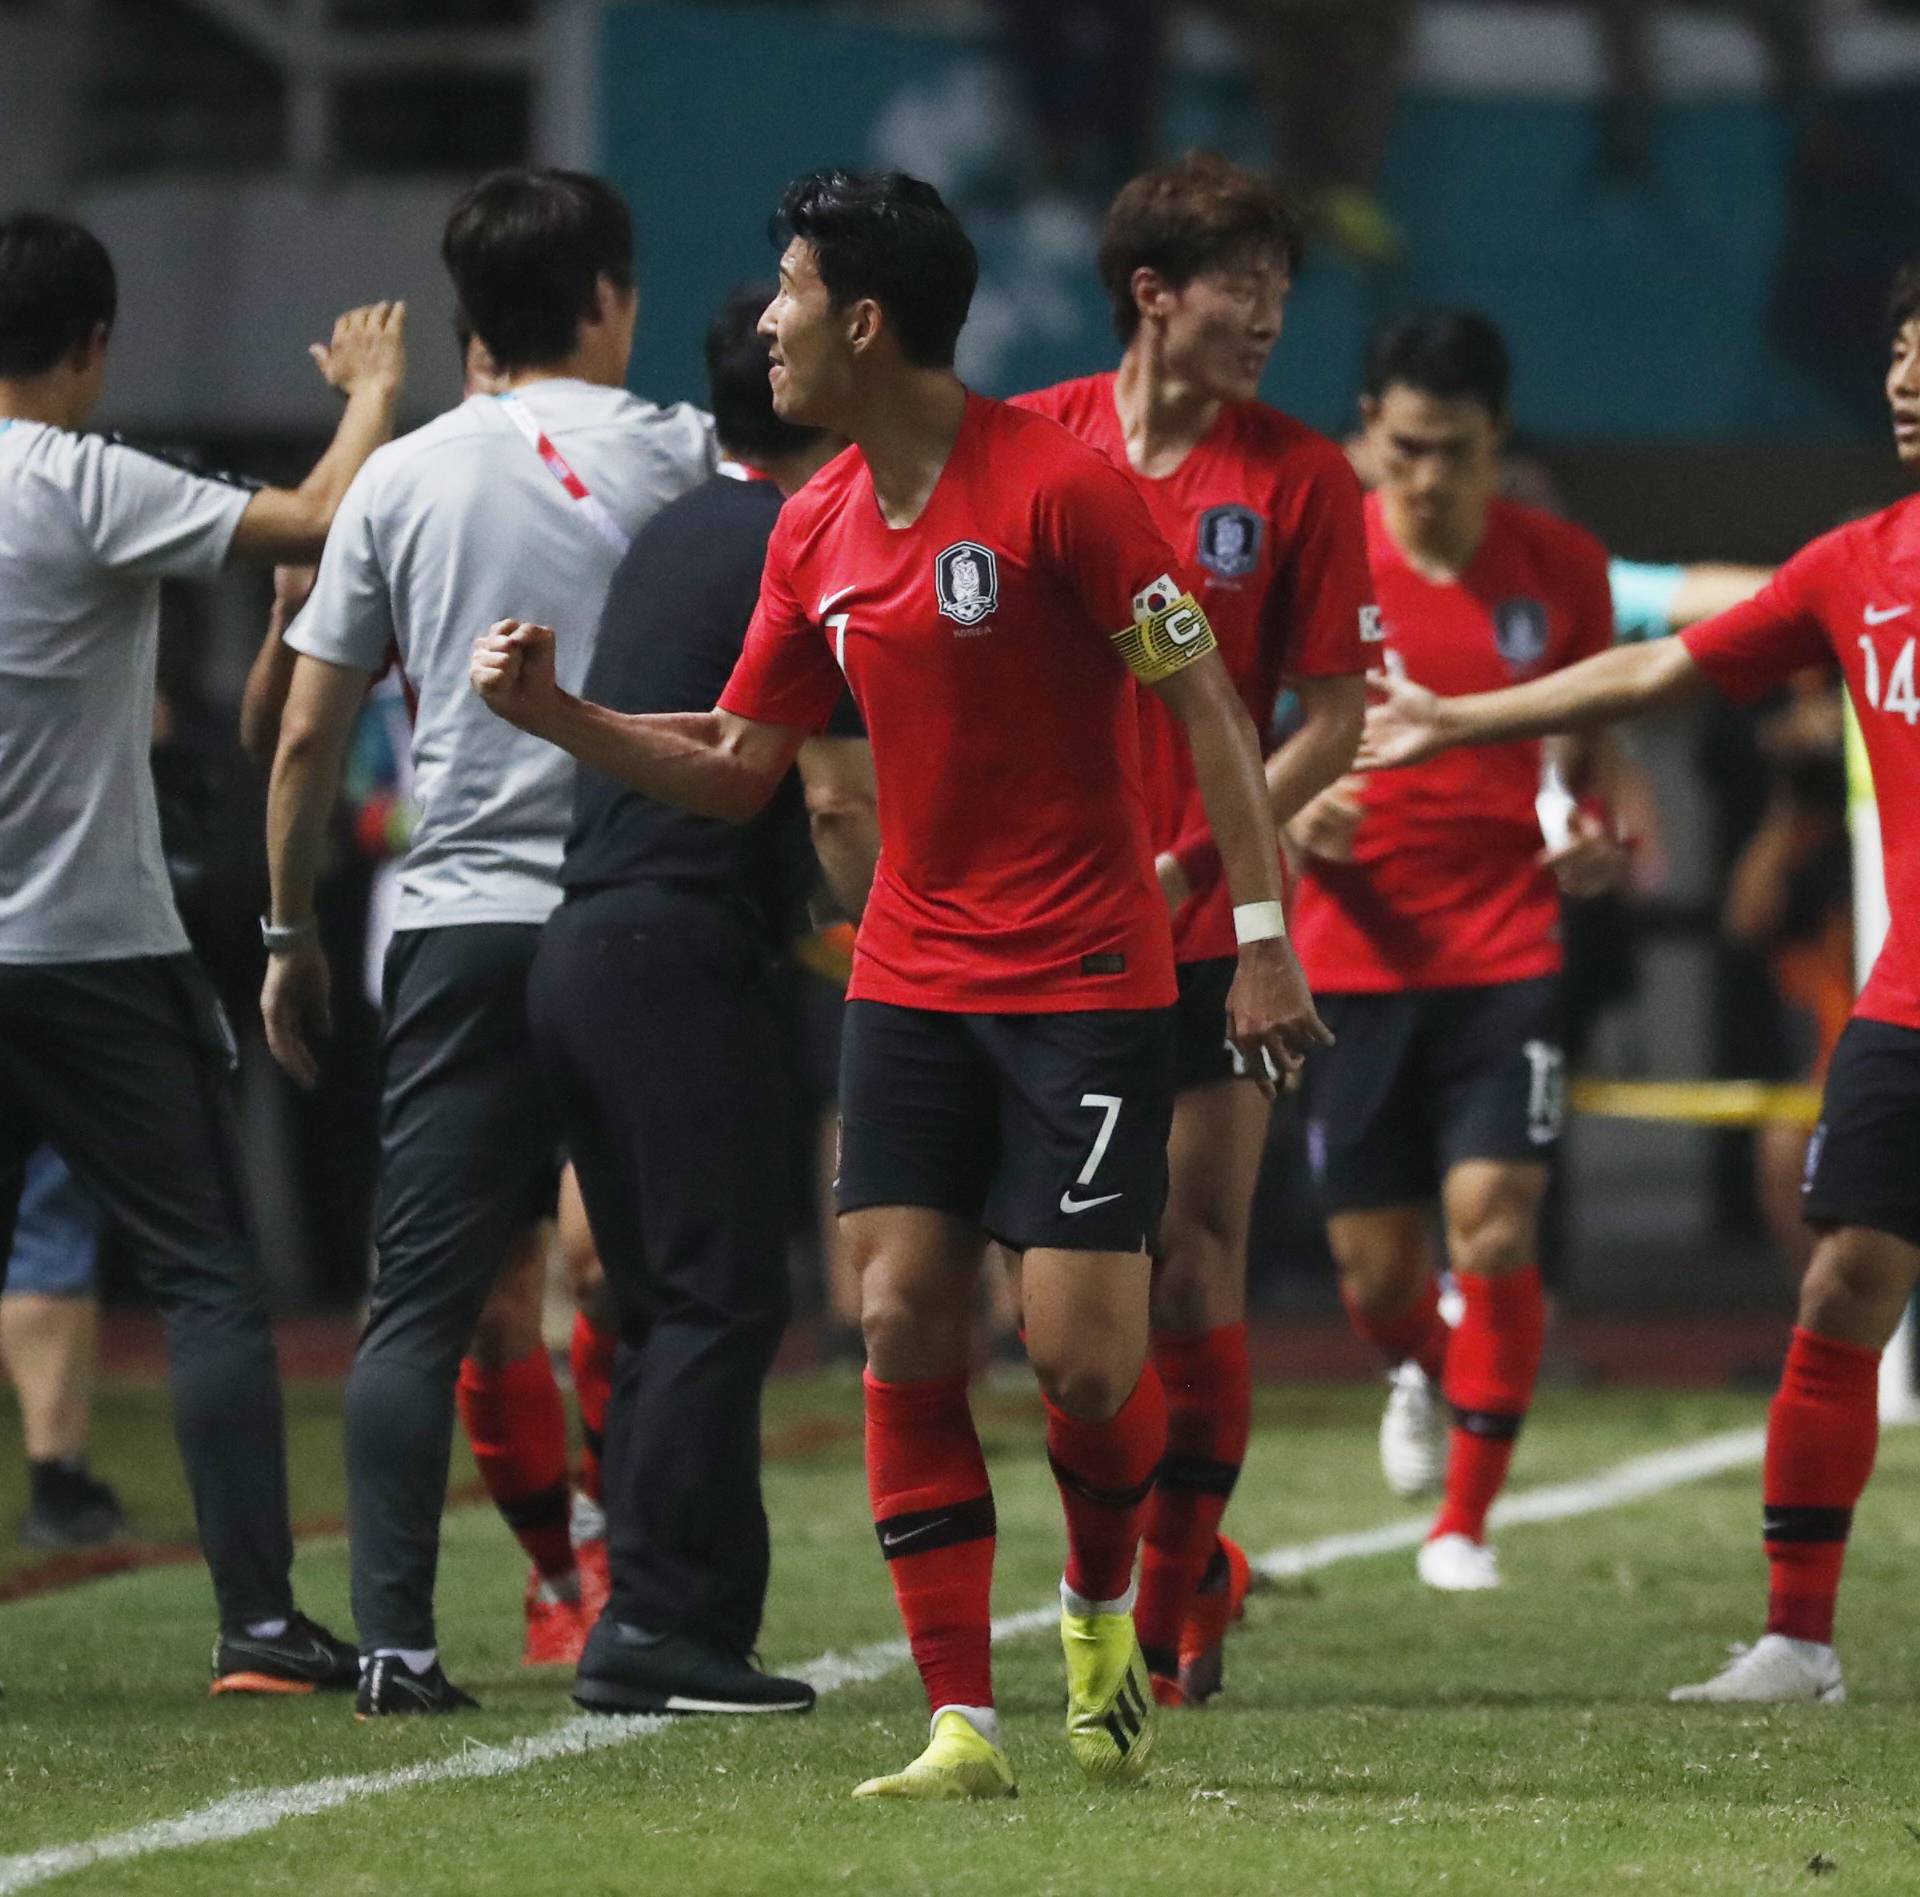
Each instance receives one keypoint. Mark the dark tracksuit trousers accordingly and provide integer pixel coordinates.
(653, 1018)
(467, 1159)
(126, 1069)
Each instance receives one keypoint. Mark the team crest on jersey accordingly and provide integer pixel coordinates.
(966, 580)
(1230, 540)
(1520, 632)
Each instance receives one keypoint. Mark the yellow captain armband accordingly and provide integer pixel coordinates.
(1170, 630)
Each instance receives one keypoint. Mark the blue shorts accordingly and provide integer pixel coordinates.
(56, 1237)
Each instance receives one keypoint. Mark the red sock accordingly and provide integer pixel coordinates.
(1419, 1335)
(1105, 1473)
(933, 1511)
(1822, 1432)
(590, 1353)
(1209, 1416)
(518, 1428)
(1491, 1366)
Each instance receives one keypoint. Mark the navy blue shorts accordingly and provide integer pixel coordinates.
(1045, 1130)
(1419, 1080)
(1861, 1165)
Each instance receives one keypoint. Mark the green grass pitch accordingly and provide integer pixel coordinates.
(1372, 1738)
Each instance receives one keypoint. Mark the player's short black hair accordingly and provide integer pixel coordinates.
(891, 238)
(737, 384)
(526, 250)
(56, 288)
(1903, 299)
(1201, 212)
(1458, 355)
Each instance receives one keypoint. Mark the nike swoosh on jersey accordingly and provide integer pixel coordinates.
(831, 597)
(1070, 1205)
(1879, 615)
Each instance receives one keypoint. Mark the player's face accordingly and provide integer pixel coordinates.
(1437, 457)
(1222, 326)
(809, 362)
(1903, 393)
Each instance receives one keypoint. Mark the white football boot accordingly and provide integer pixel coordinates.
(1412, 1447)
(1457, 1564)
(1774, 1671)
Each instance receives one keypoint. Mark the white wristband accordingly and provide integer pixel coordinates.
(1259, 922)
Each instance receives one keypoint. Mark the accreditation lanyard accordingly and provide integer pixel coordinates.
(589, 503)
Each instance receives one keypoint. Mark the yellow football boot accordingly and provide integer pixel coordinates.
(1109, 1699)
(958, 1763)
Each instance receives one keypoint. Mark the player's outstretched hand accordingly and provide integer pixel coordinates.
(369, 347)
(1404, 724)
(1270, 1013)
(513, 672)
(296, 1006)
(1592, 860)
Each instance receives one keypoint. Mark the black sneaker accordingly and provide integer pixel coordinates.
(389, 1686)
(70, 1508)
(303, 1658)
(628, 1670)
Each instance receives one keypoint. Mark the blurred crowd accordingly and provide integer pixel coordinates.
(1328, 74)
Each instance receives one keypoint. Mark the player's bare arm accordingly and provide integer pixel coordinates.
(1321, 750)
(710, 762)
(843, 816)
(271, 673)
(316, 726)
(366, 360)
(1408, 723)
(1313, 759)
(1270, 1013)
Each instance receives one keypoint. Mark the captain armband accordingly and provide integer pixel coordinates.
(1170, 630)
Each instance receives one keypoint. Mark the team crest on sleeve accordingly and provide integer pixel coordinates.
(966, 580)
(1520, 632)
(1230, 539)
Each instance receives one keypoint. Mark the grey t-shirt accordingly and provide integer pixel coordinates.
(88, 529)
(442, 533)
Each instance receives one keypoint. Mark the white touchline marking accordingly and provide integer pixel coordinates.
(245, 1813)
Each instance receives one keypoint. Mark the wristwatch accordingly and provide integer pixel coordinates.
(281, 941)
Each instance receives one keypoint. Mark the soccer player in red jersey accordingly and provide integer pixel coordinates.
(1851, 598)
(1428, 920)
(990, 587)
(1198, 258)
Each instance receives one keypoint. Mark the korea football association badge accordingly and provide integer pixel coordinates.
(966, 580)
(1520, 633)
(1229, 541)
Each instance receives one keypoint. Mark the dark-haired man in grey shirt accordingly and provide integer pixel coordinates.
(530, 495)
(113, 1048)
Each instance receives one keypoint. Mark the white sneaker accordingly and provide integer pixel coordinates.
(1772, 1672)
(1456, 1564)
(1411, 1455)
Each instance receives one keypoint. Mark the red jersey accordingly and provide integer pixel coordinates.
(1445, 888)
(1015, 871)
(1852, 598)
(1266, 515)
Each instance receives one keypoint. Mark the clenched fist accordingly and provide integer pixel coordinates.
(513, 671)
